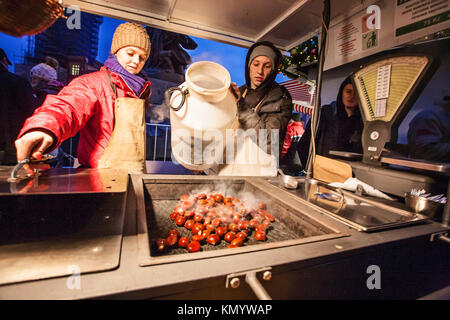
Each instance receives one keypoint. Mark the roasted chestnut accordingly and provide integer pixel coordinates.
(260, 228)
(198, 237)
(180, 220)
(236, 243)
(188, 214)
(227, 200)
(241, 235)
(206, 233)
(197, 228)
(233, 227)
(253, 223)
(173, 215)
(171, 240)
(266, 223)
(198, 218)
(237, 217)
(229, 236)
(243, 225)
(189, 224)
(173, 232)
(212, 216)
(213, 239)
(194, 246)
(207, 220)
(270, 217)
(220, 231)
(260, 236)
(216, 222)
(160, 245)
(179, 210)
(242, 210)
(258, 217)
(211, 203)
(266, 215)
(183, 242)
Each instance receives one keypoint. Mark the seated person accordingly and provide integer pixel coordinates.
(429, 133)
(340, 126)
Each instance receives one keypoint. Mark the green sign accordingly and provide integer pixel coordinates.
(444, 16)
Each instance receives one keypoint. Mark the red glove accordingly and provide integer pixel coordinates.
(294, 132)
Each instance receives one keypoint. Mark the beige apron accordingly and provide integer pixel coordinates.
(126, 148)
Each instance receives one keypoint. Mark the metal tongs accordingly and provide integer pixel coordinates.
(30, 160)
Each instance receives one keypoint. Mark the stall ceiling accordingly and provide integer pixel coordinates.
(286, 23)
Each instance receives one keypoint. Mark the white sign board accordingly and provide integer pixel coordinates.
(353, 38)
(400, 21)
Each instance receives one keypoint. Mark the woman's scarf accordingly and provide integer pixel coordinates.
(135, 81)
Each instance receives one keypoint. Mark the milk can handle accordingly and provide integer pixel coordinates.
(168, 94)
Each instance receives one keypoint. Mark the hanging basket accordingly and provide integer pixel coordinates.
(28, 17)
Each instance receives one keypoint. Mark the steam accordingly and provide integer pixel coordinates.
(228, 189)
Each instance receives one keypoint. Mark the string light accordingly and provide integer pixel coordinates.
(304, 53)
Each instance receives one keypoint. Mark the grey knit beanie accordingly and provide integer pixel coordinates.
(263, 51)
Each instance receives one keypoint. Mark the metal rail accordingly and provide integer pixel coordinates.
(256, 286)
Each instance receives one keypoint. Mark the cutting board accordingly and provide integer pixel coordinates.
(330, 170)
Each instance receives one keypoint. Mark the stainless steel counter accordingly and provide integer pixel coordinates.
(411, 266)
(60, 222)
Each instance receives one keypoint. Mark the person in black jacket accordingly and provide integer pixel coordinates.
(429, 133)
(263, 103)
(340, 126)
(16, 104)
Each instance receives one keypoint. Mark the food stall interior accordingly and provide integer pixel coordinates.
(322, 238)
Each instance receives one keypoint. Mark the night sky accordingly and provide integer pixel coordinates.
(231, 57)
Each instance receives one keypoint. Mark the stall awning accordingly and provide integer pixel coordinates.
(302, 101)
(286, 23)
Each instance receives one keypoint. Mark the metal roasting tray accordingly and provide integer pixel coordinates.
(291, 227)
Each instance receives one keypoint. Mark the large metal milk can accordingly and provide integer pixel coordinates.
(201, 110)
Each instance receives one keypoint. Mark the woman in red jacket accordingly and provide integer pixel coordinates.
(90, 104)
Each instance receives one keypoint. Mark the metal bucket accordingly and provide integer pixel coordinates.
(424, 206)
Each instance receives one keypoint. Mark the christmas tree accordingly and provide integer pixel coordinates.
(301, 56)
